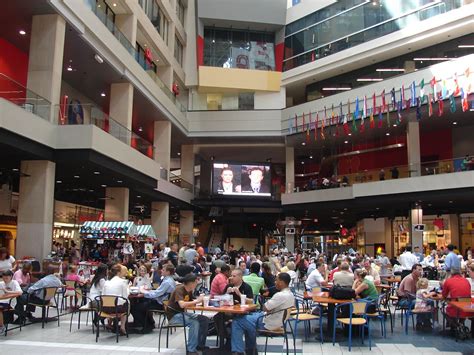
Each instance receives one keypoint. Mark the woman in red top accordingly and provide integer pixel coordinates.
(456, 287)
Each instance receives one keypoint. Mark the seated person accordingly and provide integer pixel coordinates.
(371, 272)
(9, 289)
(181, 298)
(143, 279)
(117, 286)
(249, 323)
(256, 282)
(364, 287)
(219, 282)
(23, 276)
(423, 304)
(269, 279)
(344, 277)
(453, 288)
(316, 278)
(184, 269)
(153, 300)
(34, 294)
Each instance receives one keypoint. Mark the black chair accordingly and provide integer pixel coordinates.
(7, 314)
(86, 308)
(44, 301)
(108, 307)
(165, 325)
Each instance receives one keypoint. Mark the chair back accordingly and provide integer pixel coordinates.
(49, 293)
(110, 302)
(359, 308)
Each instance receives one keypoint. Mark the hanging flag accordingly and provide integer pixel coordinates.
(399, 111)
(444, 90)
(440, 106)
(380, 117)
(457, 91)
(354, 123)
(372, 121)
(464, 103)
(430, 105)
(452, 103)
(467, 74)
(322, 124)
(413, 94)
(402, 97)
(364, 114)
(316, 127)
(331, 121)
(357, 111)
(394, 100)
(296, 123)
(433, 83)
(303, 126)
(308, 138)
(384, 105)
(345, 125)
(422, 91)
(418, 108)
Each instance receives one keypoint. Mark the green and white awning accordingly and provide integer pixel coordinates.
(145, 230)
(94, 229)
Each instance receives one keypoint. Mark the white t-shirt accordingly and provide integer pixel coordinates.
(407, 260)
(280, 300)
(97, 290)
(315, 279)
(12, 286)
(116, 287)
(7, 264)
(293, 277)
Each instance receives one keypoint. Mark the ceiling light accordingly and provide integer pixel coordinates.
(179, 153)
(96, 172)
(390, 70)
(450, 201)
(310, 157)
(22, 32)
(91, 190)
(460, 46)
(387, 134)
(213, 41)
(304, 143)
(213, 221)
(433, 59)
(138, 196)
(302, 163)
(59, 182)
(69, 68)
(345, 142)
(15, 169)
(76, 176)
(350, 134)
(337, 89)
(98, 58)
(119, 181)
(455, 123)
(394, 125)
(369, 79)
(103, 185)
(102, 94)
(399, 145)
(114, 4)
(140, 129)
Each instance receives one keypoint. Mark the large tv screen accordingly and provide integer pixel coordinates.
(253, 180)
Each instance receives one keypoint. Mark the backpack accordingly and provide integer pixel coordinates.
(342, 293)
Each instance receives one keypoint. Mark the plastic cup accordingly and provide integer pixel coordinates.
(243, 300)
(205, 301)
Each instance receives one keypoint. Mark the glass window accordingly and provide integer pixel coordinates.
(246, 101)
(156, 16)
(144, 58)
(178, 51)
(180, 11)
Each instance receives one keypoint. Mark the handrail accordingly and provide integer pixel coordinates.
(346, 37)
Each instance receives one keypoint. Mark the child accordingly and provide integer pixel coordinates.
(143, 278)
(9, 289)
(423, 305)
(71, 290)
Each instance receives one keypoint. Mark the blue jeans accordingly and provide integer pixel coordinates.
(246, 325)
(198, 326)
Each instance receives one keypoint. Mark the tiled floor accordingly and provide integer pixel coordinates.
(58, 340)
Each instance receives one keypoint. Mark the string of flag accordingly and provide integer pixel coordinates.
(434, 97)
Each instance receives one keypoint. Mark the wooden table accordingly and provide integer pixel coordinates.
(323, 297)
(467, 307)
(237, 309)
(392, 279)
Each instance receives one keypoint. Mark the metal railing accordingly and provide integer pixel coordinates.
(313, 181)
(178, 181)
(112, 27)
(16, 93)
(79, 114)
(369, 33)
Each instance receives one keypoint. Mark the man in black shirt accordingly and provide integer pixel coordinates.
(184, 269)
(233, 254)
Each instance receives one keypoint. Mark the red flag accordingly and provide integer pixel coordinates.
(372, 122)
(440, 106)
(322, 124)
(430, 106)
(457, 90)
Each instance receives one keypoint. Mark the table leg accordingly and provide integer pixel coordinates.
(331, 307)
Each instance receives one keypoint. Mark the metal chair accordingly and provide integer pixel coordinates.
(280, 332)
(381, 314)
(107, 303)
(47, 294)
(87, 308)
(305, 316)
(355, 309)
(165, 325)
(10, 310)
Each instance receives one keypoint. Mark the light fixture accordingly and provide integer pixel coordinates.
(433, 59)
(76, 176)
(213, 41)
(387, 134)
(302, 163)
(22, 32)
(310, 157)
(59, 182)
(399, 145)
(455, 123)
(345, 142)
(450, 201)
(15, 169)
(213, 221)
(180, 154)
(337, 89)
(369, 79)
(69, 68)
(350, 134)
(96, 172)
(390, 70)
(103, 185)
(138, 196)
(460, 46)
(98, 59)
(303, 144)
(102, 94)
(119, 181)
(114, 4)
(140, 129)
(394, 125)
(91, 190)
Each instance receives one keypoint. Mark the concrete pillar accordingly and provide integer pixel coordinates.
(455, 230)
(187, 163)
(160, 212)
(36, 208)
(162, 143)
(409, 66)
(121, 108)
(165, 73)
(186, 224)
(416, 237)
(45, 63)
(190, 50)
(116, 204)
(290, 169)
(127, 24)
(413, 148)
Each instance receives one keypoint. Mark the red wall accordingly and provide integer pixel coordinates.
(436, 145)
(13, 62)
(279, 49)
(200, 51)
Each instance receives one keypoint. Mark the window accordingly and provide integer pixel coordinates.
(157, 17)
(144, 58)
(109, 14)
(178, 51)
(180, 11)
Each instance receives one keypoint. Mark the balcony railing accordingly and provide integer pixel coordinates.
(112, 27)
(312, 181)
(178, 181)
(78, 114)
(21, 96)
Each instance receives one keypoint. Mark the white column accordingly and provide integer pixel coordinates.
(36, 208)
(160, 212)
(413, 148)
(162, 143)
(416, 237)
(116, 204)
(455, 230)
(45, 63)
(290, 169)
(127, 24)
(187, 163)
(121, 108)
(186, 224)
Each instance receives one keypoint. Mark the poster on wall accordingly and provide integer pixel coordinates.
(148, 248)
(262, 56)
(240, 58)
(127, 248)
(75, 113)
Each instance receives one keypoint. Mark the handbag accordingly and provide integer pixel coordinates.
(342, 293)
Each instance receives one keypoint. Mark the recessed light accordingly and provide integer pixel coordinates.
(377, 208)
(179, 153)
(455, 123)
(98, 58)
(76, 176)
(350, 134)
(213, 221)
(22, 32)
(387, 134)
(91, 190)
(69, 68)
(59, 182)
(346, 142)
(119, 181)
(450, 201)
(114, 4)
(394, 125)
(138, 196)
(302, 163)
(213, 41)
(140, 129)
(15, 169)
(304, 143)
(103, 185)
(310, 157)
(96, 172)
(102, 94)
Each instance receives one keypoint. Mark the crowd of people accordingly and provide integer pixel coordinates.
(178, 278)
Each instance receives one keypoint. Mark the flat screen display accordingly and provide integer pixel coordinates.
(252, 180)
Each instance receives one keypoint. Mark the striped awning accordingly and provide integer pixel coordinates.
(145, 230)
(94, 229)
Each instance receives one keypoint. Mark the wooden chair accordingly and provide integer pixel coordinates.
(164, 325)
(47, 295)
(105, 304)
(357, 309)
(280, 332)
(305, 316)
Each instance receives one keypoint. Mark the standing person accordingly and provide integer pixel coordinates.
(407, 260)
(200, 249)
(418, 254)
(233, 255)
(395, 172)
(382, 175)
(190, 254)
(118, 286)
(452, 261)
(384, 263)
(181, 298)
(249, 323)
(181, 251)
(7, 262)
